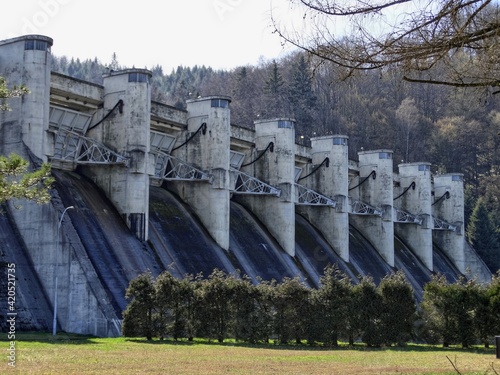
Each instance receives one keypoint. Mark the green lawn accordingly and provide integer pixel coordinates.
(40, 354)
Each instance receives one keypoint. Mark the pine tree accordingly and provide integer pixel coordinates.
(274, 91)
(302, 97)
(15, 180)
(138, 317)
(333, 299)
(482, 235)
(399, 309)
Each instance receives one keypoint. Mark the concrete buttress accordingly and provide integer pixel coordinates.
(377, 191)
(415, 197)
(332, 181)
(26, 61)
(276, 168)
(448, 205)
(208, 150)
(127, 132)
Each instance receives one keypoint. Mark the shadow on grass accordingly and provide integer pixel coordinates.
(60, 338)
(304, 346)
(63, 338)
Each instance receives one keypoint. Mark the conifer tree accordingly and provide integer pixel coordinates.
(274, 91)
(333, 300)
(138, 317)
(301, 96)
(482, 235)
(16, 181)
(399, 309)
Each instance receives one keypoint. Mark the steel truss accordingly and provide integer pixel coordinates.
(361, 208)
(406, 217)
(74, 147)
(246, 184)
(170, 168)
(443, 225)
(308, 197)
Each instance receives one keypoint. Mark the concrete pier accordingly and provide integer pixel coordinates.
(331, 180)
(208, 151)
(26, 61)
(375, 169)
(276, 168)
(448, 205)
(415, 197)
(127, 131)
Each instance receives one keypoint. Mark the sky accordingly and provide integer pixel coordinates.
(222, 34)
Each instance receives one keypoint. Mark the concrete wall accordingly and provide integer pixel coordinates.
(83, 304)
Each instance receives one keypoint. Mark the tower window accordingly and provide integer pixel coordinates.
(384, 155)
(219, 103)
(137, 77)
(340, 141)
(285, 124)
(38, 45)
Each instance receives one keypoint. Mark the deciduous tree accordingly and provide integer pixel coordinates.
(453, 42)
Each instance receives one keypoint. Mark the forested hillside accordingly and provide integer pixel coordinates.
(456, 129)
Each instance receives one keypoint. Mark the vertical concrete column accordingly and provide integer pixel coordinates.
(331, 181)
(128, 133)
(448, 205)
(416, 187)
(209, 150)
(377, 192)
(277, 169)
(26, 61)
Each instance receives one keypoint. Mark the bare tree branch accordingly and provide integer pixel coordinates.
(456, 41)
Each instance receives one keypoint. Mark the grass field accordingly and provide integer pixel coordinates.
(68, 355)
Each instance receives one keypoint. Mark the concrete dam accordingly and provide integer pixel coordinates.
(141, 185)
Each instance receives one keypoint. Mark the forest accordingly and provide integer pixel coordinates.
(457, 129)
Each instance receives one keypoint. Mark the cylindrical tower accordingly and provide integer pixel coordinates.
(127, 131)
(448, 206)
(208, 151)
(26, 61)
(415, 197)
(276, 168)
(376, 170)
(332, 181)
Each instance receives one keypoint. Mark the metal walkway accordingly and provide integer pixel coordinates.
(443, 225)
(170, 168)
(71, 147)
(309, 197)
(242, 183)
(361, 208)
(406, 217)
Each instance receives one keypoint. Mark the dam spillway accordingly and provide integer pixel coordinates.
(156, 188)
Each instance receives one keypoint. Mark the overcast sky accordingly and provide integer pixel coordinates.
(222, 34)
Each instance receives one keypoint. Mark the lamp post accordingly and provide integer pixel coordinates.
(54, 322)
